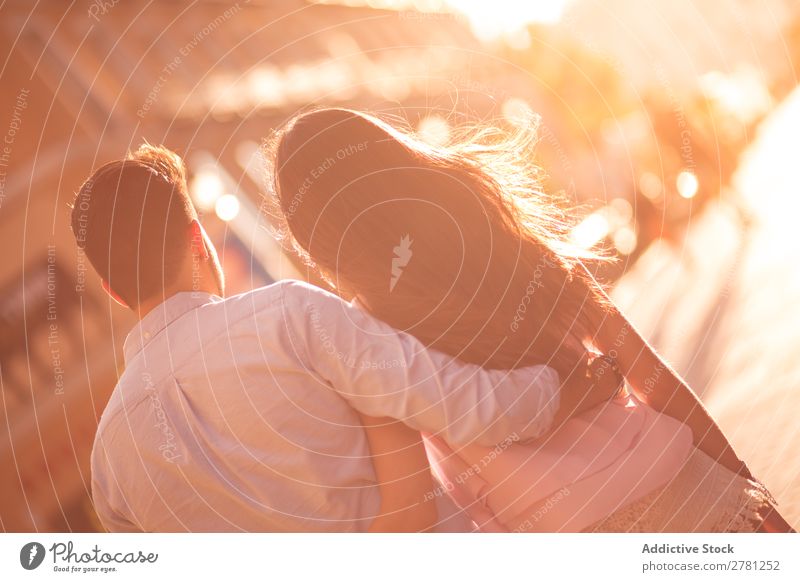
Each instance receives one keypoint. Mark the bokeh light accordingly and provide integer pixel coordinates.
(687, 184)
(227, 207)
(206, 187)
(434, 129)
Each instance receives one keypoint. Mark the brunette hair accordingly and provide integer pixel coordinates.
(132, 219)
(455, 244)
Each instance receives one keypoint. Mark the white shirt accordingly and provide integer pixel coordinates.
(239, 414)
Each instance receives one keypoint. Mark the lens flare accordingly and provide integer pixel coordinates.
(687, 184)
(227, 207)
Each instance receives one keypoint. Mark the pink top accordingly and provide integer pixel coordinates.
(577, 474)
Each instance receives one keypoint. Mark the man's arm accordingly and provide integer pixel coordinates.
(385, 373)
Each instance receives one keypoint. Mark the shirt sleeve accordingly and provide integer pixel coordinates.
(383, 372)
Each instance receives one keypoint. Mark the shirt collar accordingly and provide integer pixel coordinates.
(161, 316)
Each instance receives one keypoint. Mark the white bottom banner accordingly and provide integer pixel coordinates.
(389, 557)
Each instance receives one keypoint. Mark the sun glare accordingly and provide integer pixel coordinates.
(504, 18)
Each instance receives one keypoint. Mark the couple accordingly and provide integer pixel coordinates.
(462, 339)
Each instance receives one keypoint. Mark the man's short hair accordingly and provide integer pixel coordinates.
(131, 218)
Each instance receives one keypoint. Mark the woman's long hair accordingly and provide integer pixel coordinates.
(455, 244)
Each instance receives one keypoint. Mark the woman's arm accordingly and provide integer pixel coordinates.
(404, 477)
(657, 384)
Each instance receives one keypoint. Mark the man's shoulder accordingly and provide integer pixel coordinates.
(292, 289)
(260, 300)
(128, 394)
(286, 304)
(291, 294)
(301, 289)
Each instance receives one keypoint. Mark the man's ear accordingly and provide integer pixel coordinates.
(107, 288)
(198, 240)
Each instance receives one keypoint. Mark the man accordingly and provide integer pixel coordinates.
(241, 414)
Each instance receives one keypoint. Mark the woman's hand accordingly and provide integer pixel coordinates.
(590, 385)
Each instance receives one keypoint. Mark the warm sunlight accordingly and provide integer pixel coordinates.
(504, 18)
(490, 21)
(308, 267)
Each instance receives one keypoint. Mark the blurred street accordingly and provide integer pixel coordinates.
(723, 306)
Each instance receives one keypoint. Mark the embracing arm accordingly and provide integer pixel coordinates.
(658, 385)
(385, 373)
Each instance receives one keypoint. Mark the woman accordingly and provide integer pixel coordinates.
(458, 246)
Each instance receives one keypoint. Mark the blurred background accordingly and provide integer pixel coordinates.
(675, 125)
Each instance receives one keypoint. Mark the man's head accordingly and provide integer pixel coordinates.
(137, 225)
